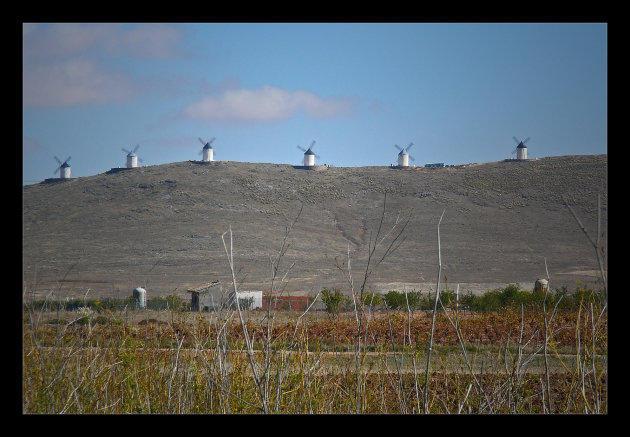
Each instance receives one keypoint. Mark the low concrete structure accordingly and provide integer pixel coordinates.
(140, 297)
(247, 300)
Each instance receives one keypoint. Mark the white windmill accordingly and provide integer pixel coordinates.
(132, 158)
(63, 169)
(309, 155)
(521, 148)
(404, 156)
(208, 151)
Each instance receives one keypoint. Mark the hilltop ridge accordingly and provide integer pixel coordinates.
(162, 225)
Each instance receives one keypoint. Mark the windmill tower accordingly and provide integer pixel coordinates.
(64, 168)
(309, 156)
(207, 151)
(404, 156)
(521, 148)
(132, 158)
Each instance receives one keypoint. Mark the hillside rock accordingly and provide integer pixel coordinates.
(162, 226)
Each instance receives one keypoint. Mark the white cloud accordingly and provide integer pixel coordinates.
(114, 39)
(74, 82)
(62, 63)
(266, 104)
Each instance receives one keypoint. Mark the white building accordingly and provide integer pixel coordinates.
(132, 160)
(247, 299)
(309, 158)
(65, 171)
(208, 152)
(403, 155)
(403, 159)
(521, 151)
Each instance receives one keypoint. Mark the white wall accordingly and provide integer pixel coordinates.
(309, 160)
(403, 160)
(256, 295)
(208, 154)
(132, 161)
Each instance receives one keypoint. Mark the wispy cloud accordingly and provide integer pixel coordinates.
(266, 104)
(62, 63)
(74, 82)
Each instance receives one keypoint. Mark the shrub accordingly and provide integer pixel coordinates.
(467, 301)
(333, 300)
(396, 300)
(393, 300)
(372, 299)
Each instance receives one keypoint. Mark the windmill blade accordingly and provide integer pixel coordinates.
(514, 151)
(312, 144)
(125, 150)
(302, 149)
(408, 147)
(526, 140)
(201, 141)
(211, 141)
(317, 156)
(515, 140)
(60, 163)
(412, 158)
(135, 149)
(398, 147)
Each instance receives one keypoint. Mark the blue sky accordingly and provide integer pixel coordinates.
(458, 91)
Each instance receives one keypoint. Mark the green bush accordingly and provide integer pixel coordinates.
(372, 299)
(393, 300)
(396, 300)
(333, 300)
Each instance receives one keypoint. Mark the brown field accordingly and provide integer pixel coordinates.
(391, 359)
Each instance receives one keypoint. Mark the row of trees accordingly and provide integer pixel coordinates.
(171, 302)
(335, 301)
(494, 300)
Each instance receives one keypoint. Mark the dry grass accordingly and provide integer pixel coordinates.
(182, 362)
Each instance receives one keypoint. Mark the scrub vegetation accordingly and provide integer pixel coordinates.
(508, 351)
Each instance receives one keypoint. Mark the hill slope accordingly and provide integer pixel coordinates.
(163, 224)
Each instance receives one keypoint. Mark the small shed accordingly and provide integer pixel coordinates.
(206, 297)
(541, 285)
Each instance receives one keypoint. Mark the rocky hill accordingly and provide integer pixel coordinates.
(162, 226)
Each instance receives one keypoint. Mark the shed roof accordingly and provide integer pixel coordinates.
(203, 287)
